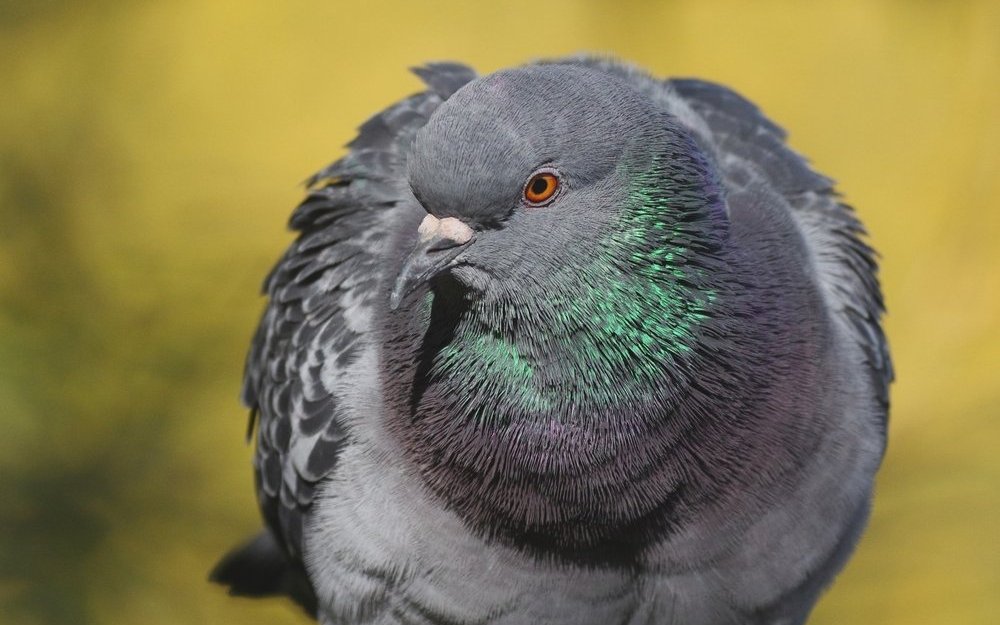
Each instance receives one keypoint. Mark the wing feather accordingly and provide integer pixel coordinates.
(846, 264)
(309, 334)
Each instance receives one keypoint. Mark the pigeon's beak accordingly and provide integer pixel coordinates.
(441, 240)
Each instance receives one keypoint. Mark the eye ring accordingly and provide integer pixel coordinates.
(541, 187)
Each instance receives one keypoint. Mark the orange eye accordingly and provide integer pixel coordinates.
(541, 187)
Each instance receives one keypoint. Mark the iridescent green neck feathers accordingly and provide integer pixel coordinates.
(608, 331)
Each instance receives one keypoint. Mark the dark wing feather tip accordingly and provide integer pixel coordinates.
(445, 78)
(259, 568)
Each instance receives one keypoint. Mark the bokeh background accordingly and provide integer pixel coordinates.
(149, 157)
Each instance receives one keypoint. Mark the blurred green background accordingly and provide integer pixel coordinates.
(149, 155)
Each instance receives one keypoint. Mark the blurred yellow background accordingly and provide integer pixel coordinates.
(149, 155)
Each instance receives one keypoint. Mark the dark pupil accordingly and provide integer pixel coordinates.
(539, 185)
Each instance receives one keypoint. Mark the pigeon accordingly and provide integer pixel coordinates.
(565, 344)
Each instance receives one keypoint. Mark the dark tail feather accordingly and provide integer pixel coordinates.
(260, 568)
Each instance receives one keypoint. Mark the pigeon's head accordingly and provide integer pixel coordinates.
(536, 172)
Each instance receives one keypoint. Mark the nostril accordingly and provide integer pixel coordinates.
(446, 233)
(456, 230)
(428, 226)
